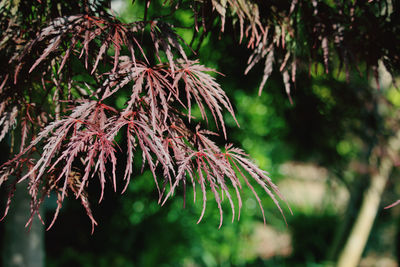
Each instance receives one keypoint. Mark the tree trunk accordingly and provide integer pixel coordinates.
(22, 247)
(356, 190)
(354, 247)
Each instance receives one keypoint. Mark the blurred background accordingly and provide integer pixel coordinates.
(321, 151)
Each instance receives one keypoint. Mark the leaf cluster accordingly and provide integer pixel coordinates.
(68, 128)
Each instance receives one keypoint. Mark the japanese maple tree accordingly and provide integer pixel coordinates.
(63, 129)
(67, 62)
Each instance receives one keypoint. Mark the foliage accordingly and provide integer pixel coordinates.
(71, 126)
(68, 63)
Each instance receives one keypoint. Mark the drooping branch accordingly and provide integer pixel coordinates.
(76, 140)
